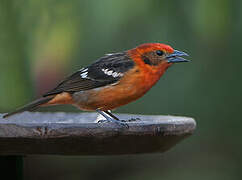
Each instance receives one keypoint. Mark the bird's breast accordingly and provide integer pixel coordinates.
(132, 86)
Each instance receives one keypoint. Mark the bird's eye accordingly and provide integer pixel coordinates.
(159, 52)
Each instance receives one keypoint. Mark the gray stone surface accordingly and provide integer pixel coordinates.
(78, 134)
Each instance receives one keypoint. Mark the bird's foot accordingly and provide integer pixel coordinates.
(120, 123)
(102, 121)
(108, 118)
(131, 120)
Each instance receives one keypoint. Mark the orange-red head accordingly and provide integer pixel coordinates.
(154, 54)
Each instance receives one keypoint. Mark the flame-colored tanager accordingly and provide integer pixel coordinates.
(113, 80)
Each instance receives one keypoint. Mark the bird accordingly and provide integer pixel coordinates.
(113, 80)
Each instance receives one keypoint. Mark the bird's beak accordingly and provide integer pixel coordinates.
(175, 57)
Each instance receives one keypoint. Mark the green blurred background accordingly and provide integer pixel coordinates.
(43, 41)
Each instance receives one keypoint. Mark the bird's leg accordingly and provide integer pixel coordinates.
(110, 114)
(128, 120)
(107, 116)
(110, 117)
(100, 118)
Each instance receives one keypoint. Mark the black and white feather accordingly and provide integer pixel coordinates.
(105, 71)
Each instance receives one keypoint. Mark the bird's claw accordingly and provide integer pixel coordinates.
(120, 123)
(131, 120)
(102, 121)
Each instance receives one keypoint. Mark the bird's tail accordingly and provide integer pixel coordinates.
(31, 106)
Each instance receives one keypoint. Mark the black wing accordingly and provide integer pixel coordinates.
(106, 70)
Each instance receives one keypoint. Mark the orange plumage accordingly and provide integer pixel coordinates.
(113, 80)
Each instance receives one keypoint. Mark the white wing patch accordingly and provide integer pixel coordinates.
(109, 54)
(112, 73)
(84, 72)
(83, 69)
